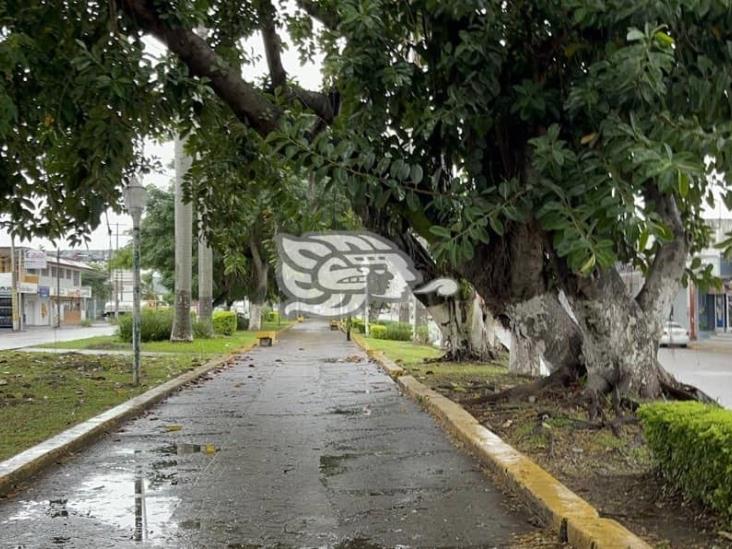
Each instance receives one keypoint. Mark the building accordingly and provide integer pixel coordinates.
(711, 309)
(44, 284)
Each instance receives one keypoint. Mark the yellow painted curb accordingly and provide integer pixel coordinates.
(28, 463)
(574, 519)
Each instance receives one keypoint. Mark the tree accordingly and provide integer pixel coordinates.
(536, 145)
(182, 328)
(532, 145)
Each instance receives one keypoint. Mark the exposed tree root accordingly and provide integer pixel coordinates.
(561, 377)
(464, 356)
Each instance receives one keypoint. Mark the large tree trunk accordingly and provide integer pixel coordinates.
(183, 243)
(259, 295)
(467, 327)
(621, 334)
(510, 273)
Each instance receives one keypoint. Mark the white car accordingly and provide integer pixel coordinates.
(674, 334)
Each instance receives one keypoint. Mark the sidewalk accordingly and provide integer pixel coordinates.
(42, 335)
(302, 444)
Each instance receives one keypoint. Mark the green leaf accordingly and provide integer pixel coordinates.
(634, 35)
(417, 174)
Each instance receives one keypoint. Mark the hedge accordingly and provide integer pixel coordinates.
(692, 443)
(399, 331)
(377, 331)
(224, 322)
(155, 325)
(272, 316)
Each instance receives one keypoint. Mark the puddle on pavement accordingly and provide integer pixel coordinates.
(359, 411)
(185, 448)
(333, 465)
(124, 499)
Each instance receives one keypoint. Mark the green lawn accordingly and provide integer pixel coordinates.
(410, 356)
(43, 394)
(199, 347)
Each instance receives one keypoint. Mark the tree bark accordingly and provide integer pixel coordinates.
(466, 325)
(620, 333)
(182, 330)
(205, 282)
(510, 273)
(259, 295)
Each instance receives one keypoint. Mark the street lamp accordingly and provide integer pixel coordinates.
(134, 195)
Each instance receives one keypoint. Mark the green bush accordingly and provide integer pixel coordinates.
(377, 331)
(224, 322)
(155, 325)
(399, 331)
(692, 443)
(201, 329)
(86, 323)
(242, 322)
(272, 316)
(423, 335)
(357, 325)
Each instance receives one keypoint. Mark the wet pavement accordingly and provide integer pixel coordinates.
(305, 444)
(48, 336)
(710, 371)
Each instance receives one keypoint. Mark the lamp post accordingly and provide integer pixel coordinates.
(134, 195)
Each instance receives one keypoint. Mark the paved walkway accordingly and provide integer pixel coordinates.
(42, 335)
(300, 445)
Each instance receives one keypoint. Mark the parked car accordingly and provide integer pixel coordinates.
(674, 334)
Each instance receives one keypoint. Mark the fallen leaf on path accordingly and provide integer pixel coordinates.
(173, 427)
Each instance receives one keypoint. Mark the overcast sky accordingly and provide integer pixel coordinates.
(309, 77)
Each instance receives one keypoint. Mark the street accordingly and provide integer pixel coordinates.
(302, 444)
(41, 335)
(709, 371)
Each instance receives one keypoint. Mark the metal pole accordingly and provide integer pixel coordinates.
(14, 283)
(116, 282)
(366, 305)
(21, 306)
(136, 299)
(58, 288)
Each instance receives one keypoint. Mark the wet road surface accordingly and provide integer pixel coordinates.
(709, 371)
(299, 445)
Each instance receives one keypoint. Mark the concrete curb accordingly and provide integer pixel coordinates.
(575, 520)
(24, 465)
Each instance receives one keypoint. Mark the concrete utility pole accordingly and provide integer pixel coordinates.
(205, 280)
(182, 329)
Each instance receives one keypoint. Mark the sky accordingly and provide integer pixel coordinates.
(309, 76)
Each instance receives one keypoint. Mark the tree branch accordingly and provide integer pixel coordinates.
(329, 18)
(317, 102)
(247, 103)
(272, 44)
(670, 259)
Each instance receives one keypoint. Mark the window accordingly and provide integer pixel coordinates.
(53, 272)
(31, 271)
(44, 272)
(76, 278)
(68, 274)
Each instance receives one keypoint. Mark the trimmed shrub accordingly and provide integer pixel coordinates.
(201, 329)
(692, 443)
(357, 325)
(272, 316)
(155, 325)
(242, 322)
(377, 331)
(86, 323)
(224, 322)
(399, 331)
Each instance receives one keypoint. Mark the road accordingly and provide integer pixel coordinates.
(304, 444)
(709, 371)
(41, 335)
